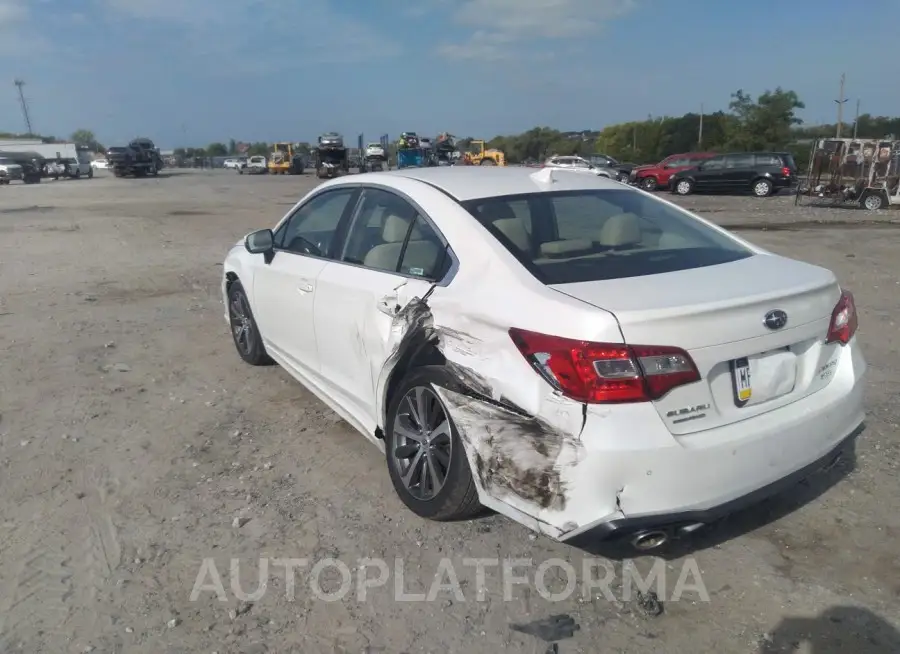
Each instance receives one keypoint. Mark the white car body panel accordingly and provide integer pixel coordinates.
(559, 466)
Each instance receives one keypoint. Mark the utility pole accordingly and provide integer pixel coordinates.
(19, 84)
(856, 120)
(700, 135)
(841, 101)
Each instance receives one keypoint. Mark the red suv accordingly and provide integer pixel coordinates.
(657, 176)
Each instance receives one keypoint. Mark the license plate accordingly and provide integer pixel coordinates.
(743, 385)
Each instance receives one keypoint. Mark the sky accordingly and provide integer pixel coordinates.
(190, 72)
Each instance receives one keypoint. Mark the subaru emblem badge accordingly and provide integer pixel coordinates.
(775, 319)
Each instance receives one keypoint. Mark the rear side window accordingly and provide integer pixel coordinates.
(768, 161)
(739, 161)
(583, 236)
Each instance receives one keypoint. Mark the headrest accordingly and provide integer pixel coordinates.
(395, 228)
(621, 230)
(514, 230)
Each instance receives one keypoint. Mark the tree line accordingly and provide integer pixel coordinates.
(767, 122)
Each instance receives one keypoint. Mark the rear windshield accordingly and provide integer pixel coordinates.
(789, 161)
(581, 236)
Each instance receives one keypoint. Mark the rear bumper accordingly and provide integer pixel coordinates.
(621, 527)
(635, 475)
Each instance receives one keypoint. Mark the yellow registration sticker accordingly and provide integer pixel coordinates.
(743, 385)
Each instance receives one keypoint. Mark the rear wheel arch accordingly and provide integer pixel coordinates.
(425, 354)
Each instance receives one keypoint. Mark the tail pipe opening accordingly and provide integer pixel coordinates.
(644, 541)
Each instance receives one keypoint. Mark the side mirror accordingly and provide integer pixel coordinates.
(260, 242)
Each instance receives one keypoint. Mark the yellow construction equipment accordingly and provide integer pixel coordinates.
(479, 156)
(285, 159)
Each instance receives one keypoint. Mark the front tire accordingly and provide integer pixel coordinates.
(425, 456)
(762, 188)
(244, 331)
(649, 184)
(488, 162)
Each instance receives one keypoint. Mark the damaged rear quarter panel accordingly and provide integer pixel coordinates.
(522, 438)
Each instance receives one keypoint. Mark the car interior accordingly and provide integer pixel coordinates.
(382, 242)
(566, 236)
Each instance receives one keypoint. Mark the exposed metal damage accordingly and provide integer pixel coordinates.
(520, 435)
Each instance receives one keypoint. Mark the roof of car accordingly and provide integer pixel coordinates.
(474, 182)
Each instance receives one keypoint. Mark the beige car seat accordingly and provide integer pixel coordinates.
(420, 255)
(504, 219)
(621, 231)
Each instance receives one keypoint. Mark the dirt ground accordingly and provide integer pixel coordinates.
(134, 445)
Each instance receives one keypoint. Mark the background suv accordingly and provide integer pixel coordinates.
(762, 173)
(657, 176)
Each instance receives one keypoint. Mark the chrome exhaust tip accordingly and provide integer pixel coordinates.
(649, 540)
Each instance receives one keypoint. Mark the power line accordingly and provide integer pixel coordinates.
(19, 84)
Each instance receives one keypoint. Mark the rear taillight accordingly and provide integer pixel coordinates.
(786, 172)
(844, 320)
(599, 373)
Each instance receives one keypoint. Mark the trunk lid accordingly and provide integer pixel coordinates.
(718, 315)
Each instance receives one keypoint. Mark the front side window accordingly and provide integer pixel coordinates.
(311, 229)
(593, 235)
(716, 163)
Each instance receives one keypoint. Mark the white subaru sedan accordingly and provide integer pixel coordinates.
(580, 356)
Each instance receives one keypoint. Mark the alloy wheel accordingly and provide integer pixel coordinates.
(873, 202)
(422, 443)
(241, 324)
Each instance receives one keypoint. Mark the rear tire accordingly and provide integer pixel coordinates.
(762, 188)
(649, 184)
(244, 331)
(488, 162)
(872, 201)
(437, 455)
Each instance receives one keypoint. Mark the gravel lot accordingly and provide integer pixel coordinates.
(134, 444)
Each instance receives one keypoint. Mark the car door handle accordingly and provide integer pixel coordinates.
(305, 287)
